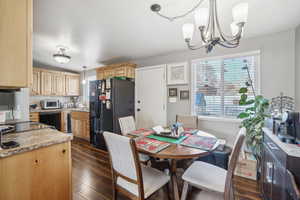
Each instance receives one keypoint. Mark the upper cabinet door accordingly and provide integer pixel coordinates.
(15, 43)
(36, 82)
(46, 78)
(58, 84)
(72, 85)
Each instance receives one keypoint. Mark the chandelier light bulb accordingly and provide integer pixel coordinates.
(240, 13)
(234, 28)
(201, 17)
(188, 31)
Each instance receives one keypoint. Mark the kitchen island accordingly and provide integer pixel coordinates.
(40, 168)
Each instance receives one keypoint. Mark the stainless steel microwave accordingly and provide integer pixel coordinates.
(50, 104)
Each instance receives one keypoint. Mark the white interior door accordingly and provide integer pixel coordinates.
(150, 96)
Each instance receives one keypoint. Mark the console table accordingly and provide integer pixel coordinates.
(280, 168)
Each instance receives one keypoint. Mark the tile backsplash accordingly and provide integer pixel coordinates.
(37, 99)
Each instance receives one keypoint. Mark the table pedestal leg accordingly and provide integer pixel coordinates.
(173, 170)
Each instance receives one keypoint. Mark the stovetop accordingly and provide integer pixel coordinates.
(22, 127)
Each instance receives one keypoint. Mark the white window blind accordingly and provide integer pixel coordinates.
(216, 83)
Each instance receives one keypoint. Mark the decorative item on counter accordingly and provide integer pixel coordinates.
(281, 104)
(173, 92)
(33, 106)
(184, 95)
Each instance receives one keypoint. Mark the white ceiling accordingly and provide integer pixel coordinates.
(101, 31)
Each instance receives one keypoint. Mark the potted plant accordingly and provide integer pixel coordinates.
(253, 120)
(253, 117)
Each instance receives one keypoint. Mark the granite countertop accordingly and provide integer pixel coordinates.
(62, 109)
(35, 139)
(291, 149)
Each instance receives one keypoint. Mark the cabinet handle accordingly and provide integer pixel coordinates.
(272, 146)
(64, 151)
(269, 176)
(36, 161)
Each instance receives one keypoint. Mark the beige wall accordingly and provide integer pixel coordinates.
(277, 73)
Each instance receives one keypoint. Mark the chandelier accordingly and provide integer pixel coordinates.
(206, 20)
(61, 57)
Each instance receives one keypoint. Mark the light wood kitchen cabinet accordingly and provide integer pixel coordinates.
(58, 84)
(81, 124)
(15, 43)
(34, 116)
(72, 84)
(36, 82)
(54, 83)
(122, 69)
(46, 83)
(44, 173)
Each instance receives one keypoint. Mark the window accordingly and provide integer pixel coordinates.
(216, 83)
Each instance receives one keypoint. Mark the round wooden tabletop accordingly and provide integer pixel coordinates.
(176, 151)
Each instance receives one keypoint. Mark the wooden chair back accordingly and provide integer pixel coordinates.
(125, 162)
(188, 121)
(127, 124)
(233, 162)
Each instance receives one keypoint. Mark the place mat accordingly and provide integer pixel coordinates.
(201, 142)
(166, 139)
(141, 132)
(151, 145)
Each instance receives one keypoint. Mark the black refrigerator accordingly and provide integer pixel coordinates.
(110, 99)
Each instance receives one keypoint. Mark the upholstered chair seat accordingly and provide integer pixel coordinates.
(214, 182)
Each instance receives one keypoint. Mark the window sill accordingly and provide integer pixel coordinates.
(219, 119)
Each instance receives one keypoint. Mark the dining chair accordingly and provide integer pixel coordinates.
(215, 182)
(129, 177)
(127, 125)
(188, 121)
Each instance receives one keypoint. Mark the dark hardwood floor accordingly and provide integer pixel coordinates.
(92, 178)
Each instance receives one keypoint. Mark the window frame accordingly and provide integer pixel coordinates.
(227, 56)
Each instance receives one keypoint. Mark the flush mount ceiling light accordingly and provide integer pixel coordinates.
(207, 21)
(61, 57)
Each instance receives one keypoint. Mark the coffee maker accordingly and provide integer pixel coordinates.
(289, 128)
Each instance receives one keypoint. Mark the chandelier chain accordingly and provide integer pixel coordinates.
(182, 15)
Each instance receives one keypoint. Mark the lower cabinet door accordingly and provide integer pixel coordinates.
(267, 173)
(42, 174)
(54, 173)
(279, 183)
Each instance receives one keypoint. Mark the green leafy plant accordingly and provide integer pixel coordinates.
(253, 120)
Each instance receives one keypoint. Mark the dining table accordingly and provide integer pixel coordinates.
(174, 153)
